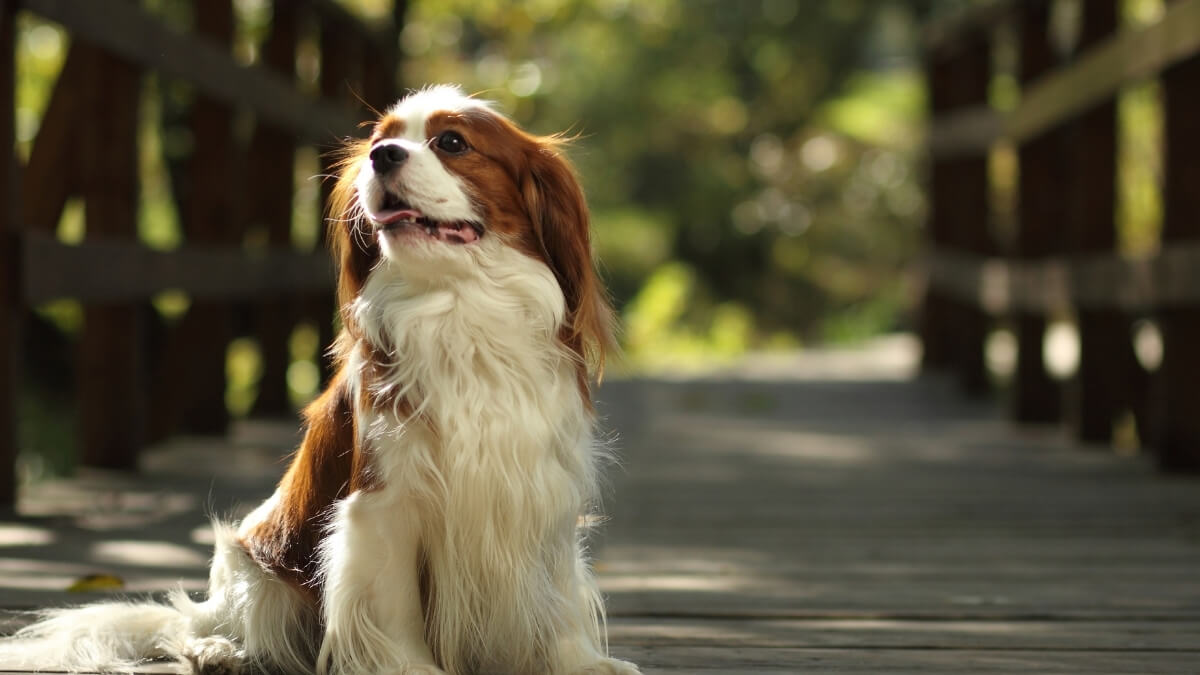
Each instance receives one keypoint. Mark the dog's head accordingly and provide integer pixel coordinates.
(441, 184)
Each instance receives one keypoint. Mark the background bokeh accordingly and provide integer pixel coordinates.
(754, 167)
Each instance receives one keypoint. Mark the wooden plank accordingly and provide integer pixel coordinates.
(965, 132)
(159, 668)
(104, 270)
(1107, 364)
(1177, 438)
(53, 171)
(138, 36)
(969, 200)
(758, 660)
(1127, 57)
(776, 523)
(1035, 396)
(381, 61)
(378, 74)
(982, 539)
(272, 161)
(109, 373)
(271, 155)
(664, 641)
(937, 307)
(904, 634)
(341, 61)
(337, 72)
(752, 661)
(9, 264)
(1056, 285)
(189, 381)
(832, 633)
(850, 597)
(208, 209)
(953, 331)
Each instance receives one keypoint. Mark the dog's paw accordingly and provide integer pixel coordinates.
(609, 667)
(213, 655)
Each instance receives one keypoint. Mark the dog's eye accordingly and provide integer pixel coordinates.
(452, 142)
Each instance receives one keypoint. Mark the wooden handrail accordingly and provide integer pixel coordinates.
(111, 272)
(1057, 285)
(134, 34)
(1099, 73)
(120, 270)
(1061, 258)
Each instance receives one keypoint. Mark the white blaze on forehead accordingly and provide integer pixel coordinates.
(416, 108)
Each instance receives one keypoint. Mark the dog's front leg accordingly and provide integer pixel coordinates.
(374, 623)
(583, 651)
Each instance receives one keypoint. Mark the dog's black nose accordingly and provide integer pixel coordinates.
(387, 156)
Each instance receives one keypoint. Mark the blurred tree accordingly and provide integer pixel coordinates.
(763, 154)
(760, 155)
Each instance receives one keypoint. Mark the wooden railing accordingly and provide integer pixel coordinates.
(87, 146)
(1063, 258)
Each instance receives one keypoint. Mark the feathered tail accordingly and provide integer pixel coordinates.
(104, 637)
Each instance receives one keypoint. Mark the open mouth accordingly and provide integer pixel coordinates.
(396, 214)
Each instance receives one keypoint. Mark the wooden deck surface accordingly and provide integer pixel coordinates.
(783, 519)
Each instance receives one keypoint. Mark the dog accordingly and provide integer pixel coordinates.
(430, 521)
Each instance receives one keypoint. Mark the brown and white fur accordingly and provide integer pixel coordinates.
(428, 522)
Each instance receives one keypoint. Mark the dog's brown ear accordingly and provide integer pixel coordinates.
(556, 205)
(353, 247)
(328, 465)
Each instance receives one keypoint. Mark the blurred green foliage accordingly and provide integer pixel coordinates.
(760, 155)
(751, 166)
(1139, 147)
(754, 166)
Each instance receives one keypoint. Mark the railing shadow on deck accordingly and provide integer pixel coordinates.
(782, 498)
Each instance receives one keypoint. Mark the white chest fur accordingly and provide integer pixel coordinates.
(493, 451)
(475, 355)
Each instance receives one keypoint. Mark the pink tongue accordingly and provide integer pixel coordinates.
(464, 235)
(449, 232)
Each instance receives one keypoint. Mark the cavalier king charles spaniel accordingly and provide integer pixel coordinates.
(430, 520)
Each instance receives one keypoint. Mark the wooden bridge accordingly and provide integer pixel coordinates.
(1059, 255)
(787, 517)
(859, 512)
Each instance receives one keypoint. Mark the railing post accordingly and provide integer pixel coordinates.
(971, 227)
(1177, 396)
(110, 374)
(9, 266)
(1107, 367)
(50, 172)
(1041, 212)
(956, 330)
(381, 60)
(53, 174)
(190, 382)
(935, 321)
(336, 73)
(272, 163)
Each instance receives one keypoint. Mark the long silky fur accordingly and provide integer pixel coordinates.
(106, 636)
(462, 417)
(257, 621)
(499, 451)
(274, 627)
